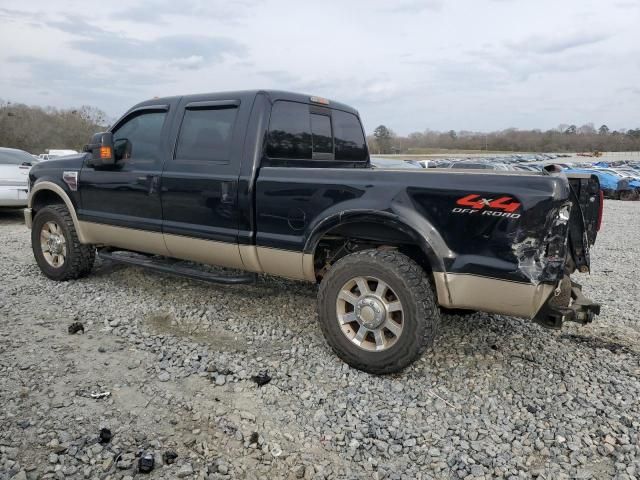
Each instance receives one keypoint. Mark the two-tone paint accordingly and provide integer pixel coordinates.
(270, 215)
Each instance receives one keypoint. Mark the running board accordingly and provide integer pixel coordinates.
(165, 265)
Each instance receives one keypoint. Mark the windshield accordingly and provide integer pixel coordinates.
(10, 156)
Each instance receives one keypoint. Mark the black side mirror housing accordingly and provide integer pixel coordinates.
(101, 150)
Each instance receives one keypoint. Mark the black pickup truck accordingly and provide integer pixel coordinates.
(280, 183)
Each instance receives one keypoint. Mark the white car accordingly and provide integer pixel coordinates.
(14, 177)
(55, 154)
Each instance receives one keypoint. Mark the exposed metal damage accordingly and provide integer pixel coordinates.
(543, 261)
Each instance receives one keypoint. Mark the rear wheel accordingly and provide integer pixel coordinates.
(56, 247)
(377, 310)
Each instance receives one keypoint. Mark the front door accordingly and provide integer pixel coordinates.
(200, 182)
(120, 204)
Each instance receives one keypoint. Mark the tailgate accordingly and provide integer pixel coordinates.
(585, 218)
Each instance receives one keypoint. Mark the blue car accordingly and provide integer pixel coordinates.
(613, 185)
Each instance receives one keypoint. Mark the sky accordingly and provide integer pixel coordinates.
(480, 65)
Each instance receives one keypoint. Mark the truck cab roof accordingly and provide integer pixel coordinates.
(249, 95)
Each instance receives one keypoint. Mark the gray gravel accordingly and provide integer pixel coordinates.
(498, 397)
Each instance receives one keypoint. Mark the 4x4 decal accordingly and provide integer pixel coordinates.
(494, 207)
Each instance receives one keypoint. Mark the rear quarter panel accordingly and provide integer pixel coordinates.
(293, 203)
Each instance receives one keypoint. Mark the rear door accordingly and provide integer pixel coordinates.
(200, 180)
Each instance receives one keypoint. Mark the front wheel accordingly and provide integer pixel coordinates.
(56, 247)
(377, 310)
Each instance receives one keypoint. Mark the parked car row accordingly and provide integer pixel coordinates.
(498, 162)
(619, 180)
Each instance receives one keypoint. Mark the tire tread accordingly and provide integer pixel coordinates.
(80, 256)
(421, 291)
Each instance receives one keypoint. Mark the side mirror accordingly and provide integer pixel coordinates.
(101, 150)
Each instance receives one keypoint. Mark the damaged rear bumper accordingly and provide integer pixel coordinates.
(493, 295)
(544, 303)
(574, 307)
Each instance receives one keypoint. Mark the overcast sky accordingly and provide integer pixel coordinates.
(410, 64)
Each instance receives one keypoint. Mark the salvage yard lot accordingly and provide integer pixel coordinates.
(497, 397)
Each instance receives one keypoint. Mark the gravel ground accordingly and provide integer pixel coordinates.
(498, 397)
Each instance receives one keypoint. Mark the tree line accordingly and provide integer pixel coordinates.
(564, 138)
(37, 129)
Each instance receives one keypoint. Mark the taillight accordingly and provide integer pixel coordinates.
(600, 210)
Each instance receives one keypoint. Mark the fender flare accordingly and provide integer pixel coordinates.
(425, 235)
(58, 190)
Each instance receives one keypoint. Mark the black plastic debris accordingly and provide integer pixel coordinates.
(146, 463)
(169, 457)
(262, 378)
(76, 327)
(105, 435)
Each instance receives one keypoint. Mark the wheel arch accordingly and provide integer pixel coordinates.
(45, 193)
(388, 228)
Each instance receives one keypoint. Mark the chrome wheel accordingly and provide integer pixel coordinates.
(370, 314)
(53, 244)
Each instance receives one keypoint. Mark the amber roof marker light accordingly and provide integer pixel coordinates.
(320, 100)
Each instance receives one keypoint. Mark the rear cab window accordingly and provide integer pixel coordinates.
(300, 131)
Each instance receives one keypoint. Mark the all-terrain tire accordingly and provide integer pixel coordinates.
(79, 258)
(409, 282)
(457, 312)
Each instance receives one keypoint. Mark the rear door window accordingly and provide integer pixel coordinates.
(205, 135)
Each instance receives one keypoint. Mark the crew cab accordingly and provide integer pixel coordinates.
(271, 182)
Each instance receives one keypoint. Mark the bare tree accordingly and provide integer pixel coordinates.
(37, 129)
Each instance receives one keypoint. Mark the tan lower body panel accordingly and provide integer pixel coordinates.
(125, 238)
(490, 294)
(284, 263)
(220, 254)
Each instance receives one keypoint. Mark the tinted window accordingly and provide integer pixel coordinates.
(144, 133)
(349, 139)
(321, 134)
(289, 131)
(15, 157)
(206, 134)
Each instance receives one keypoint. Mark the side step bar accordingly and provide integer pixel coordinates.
(165, 265)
